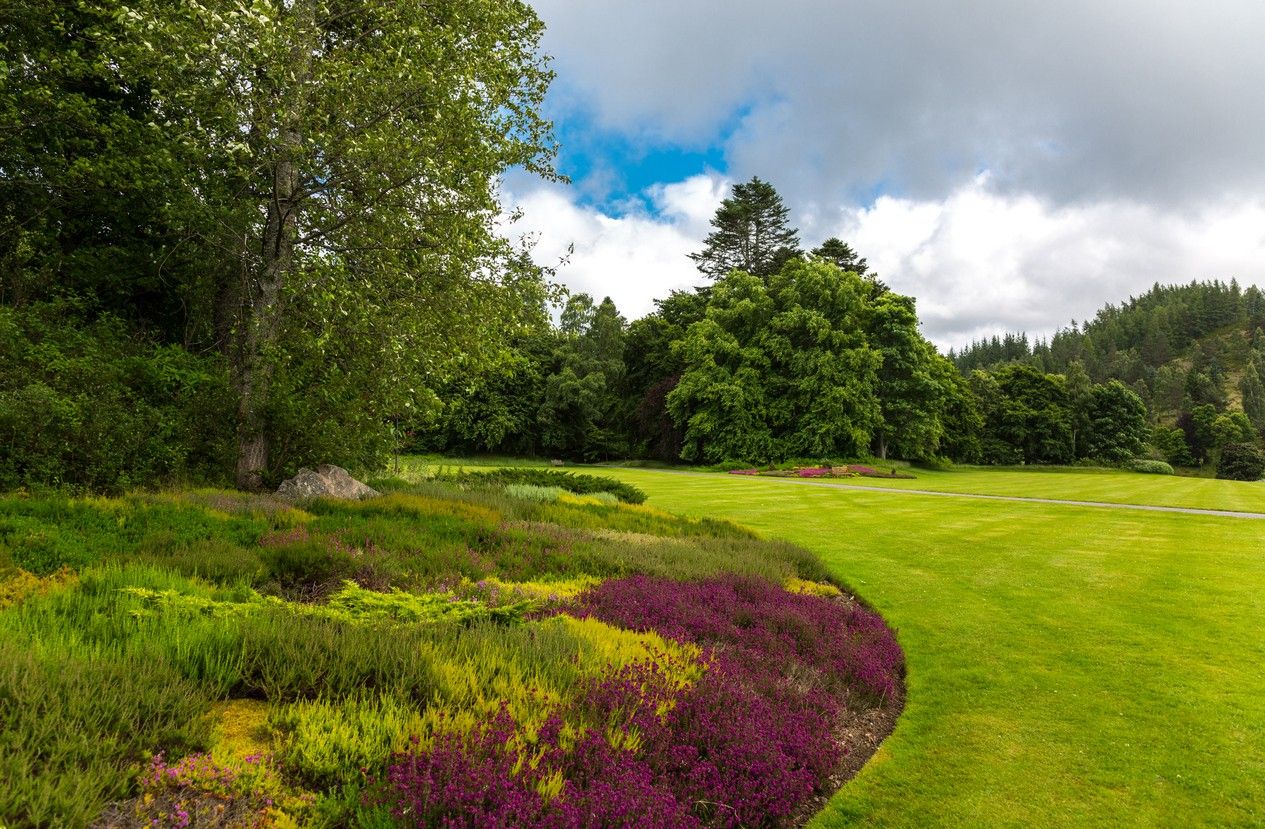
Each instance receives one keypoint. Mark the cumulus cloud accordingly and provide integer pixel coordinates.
(980, 260)
(635, 257)
(1158, 101)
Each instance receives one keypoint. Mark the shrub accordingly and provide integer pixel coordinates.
(570, 481)
(75, 721)
(488, 780)
(1150, 467)
(326, 744)
(199, 793)
(1241, 462)
(85, 404)
(304, 567)
(531, 492)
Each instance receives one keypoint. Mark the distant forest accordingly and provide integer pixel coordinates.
(806, 354)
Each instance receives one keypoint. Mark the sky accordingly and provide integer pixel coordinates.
(1012, 165)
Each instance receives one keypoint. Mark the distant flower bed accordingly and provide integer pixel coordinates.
(842, 471)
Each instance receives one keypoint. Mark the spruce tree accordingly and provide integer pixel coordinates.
(751, 233)
(1253, 390)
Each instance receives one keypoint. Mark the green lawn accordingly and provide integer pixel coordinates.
(1068, 666)
(1109, 485)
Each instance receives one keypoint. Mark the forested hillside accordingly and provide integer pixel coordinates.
(1194, 353)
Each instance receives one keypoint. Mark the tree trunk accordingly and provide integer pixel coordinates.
(254, 361)
(882, 446)
(263, 322)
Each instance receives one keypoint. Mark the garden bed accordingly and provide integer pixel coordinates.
(212, 659)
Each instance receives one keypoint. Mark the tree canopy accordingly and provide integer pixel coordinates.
(304, 189)
(751, 233)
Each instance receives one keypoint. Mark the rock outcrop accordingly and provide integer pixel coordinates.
(326, 481)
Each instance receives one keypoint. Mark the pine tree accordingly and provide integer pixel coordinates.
(1253, 390)
(751, 233)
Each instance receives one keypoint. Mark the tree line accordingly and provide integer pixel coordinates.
(784, 354)
(239, 239)
(1194, 353)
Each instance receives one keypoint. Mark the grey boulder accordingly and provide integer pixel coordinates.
(326, 481)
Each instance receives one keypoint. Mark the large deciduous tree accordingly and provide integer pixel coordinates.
(778, 369)
(340, 161)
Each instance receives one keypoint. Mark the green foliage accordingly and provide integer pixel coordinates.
(1029, 412)
(331, 745)
(1117, 422)
(779, 368)
(578, 483)
(86, 405)
(915, 382)
(1150, 467)
(1241, 462)
(74, 722)
(331, 236)
(532, 492)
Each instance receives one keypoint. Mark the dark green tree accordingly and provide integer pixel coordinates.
(1033, 414)
(1252, 389)
(778, 368)
(751, 233)
(1117, 423)
(911, 380)
(840, 253)
(1241, 462)
(341, 162)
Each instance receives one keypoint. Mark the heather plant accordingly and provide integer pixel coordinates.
(487, 780)
(327, 744)
(761, 626)
(811, 588)
(534, 492)
(20, 584)
(197, 792)
(579, 484)
(75, 719)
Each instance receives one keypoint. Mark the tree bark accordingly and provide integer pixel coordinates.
(254, 361)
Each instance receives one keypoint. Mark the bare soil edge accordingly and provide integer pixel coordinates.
(860, 731)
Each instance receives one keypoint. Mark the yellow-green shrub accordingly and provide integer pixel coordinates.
(811, 588)
(20, 584)
(325, 743)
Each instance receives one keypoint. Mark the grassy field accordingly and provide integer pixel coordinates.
(1068, 666)
(1108, 485)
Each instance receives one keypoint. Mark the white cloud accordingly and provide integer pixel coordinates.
(979, 261)
(633, 258)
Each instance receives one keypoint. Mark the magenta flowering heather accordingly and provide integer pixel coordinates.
(471, 781)
(813, 472)
(761, 625)
(745, 745)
